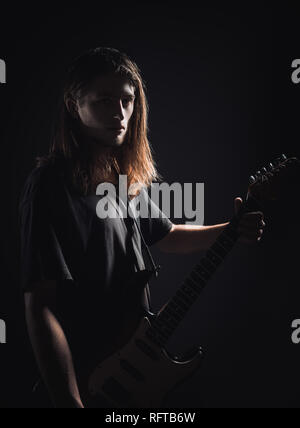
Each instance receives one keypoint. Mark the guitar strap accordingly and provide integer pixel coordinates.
(133, 226)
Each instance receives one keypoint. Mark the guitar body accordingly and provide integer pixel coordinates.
(140, 374)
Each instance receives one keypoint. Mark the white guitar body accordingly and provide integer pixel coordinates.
(141, 374)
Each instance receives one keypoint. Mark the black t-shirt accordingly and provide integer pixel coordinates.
(92, 259)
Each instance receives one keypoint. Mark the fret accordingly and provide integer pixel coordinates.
(208, 265)
(176, 317)
(231, 232)
(189, 291)
(152, 335)
(203, 272)
(167, 311)
(167, 317)
(182, 303)
(166, 331)
(185, 288)
(214, 258)
(194, 285)
(219, 250)
(184, 296)
(177, 306)
(158, 322)
(161, 332)
(200, 281)
(226, 242)
(158, 331)
(171, 311)
(173, 324)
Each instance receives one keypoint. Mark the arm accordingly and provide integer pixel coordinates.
(50, 346)
(186, 239)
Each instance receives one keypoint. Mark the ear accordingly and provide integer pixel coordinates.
(72, 107)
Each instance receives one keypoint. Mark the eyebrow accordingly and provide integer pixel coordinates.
(110, 94)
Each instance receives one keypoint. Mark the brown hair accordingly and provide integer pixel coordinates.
(134, 158)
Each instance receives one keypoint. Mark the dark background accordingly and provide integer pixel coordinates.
(222, 105)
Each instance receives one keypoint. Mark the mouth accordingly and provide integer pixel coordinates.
(116, 128)
(116, 131)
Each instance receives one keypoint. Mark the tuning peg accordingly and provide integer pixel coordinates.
(258, 174)
(264, 171)
(270, 167)
(283, 158)
(252, 179)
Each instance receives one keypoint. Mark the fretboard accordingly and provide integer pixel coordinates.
(171, 316)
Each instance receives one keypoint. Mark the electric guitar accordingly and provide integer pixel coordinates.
(139, 372)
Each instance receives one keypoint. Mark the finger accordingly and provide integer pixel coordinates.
(251, 234)
(252, 226)
(254, 215)
(252, 220)
(245, 240)
(250, 239)
(249, 230)
(238, 202)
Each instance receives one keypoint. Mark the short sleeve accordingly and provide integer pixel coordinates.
(41, 256)
(156, 225)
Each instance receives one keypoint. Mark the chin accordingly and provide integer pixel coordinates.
(111, 143)
(118, 143)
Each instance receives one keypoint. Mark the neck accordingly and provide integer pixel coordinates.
(98, 149)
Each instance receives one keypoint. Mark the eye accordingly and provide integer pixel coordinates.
(103, 100)
(127, 101)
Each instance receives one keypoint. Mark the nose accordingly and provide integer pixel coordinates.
(119, 111)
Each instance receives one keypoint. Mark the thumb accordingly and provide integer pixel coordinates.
(238, 202)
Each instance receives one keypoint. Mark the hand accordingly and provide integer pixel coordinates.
(251, 227)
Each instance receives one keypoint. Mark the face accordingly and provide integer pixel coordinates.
(106, 109)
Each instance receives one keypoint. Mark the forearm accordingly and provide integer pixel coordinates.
(54, 357)
(187, 239)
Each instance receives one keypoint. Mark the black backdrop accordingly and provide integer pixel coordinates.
(221, 105)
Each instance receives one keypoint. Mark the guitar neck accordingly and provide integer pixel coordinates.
(169, 319)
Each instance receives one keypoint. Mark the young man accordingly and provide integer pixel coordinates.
(76, 267)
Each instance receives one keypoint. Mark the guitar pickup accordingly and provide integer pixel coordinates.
(132, 371)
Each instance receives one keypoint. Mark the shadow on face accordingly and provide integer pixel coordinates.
(105, 109)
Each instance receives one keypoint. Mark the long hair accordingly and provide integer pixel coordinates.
(134, 158)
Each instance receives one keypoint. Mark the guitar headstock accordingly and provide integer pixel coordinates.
(274, 181)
